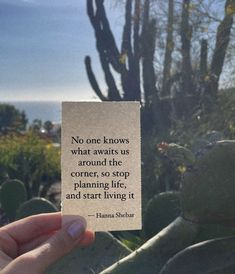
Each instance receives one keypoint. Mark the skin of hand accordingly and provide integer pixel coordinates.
(32, 244)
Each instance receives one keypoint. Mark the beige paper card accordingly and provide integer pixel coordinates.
(101, 176)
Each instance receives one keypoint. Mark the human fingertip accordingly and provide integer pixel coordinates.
(77, 228)
(87, 238)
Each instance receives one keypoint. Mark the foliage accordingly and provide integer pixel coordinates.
(31, 159)
(220, 119)
(36, 125)
(11, 119)
(48, 126)
(160, 171)
(175, 160)
(130, 240)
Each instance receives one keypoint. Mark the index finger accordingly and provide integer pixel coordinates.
(31, 227)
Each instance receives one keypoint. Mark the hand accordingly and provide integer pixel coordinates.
(32, 244)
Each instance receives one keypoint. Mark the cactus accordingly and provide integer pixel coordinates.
(214, 256)
(208, 190)
(207, 197)
(179, 155)
(161, 210)
(153, 255)
(12, 195)
(35, 206)
(104, 252)
(213, 231)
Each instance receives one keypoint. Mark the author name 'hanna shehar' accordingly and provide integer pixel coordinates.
(114, 215)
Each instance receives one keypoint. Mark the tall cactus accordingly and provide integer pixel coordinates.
(137, 50)
(166, 86)
(223, 36)
(111, 56)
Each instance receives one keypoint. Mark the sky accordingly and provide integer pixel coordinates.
(42, 48)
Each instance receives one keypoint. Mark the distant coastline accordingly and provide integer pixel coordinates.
(43, 110)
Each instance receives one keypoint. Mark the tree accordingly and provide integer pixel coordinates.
(159, 64)
(11, 119)
(111, 56)
(48, 126)
(135, 61)
(36, 125)
(136, 52)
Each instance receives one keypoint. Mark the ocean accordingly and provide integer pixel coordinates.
(48, 110)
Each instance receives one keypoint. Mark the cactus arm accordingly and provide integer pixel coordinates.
(106, 46)
(207, 195)
(104, 252)
(161, 210)
(126, 36)
(92, 79)
(151, 256)
(214, 256)
(105, 40)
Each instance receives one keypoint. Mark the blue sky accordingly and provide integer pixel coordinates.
(42, 47)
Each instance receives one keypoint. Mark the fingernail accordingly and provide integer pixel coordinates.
(77, 228)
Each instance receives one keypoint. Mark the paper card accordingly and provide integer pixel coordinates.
(101, 174)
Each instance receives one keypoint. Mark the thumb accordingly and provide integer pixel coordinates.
(62, 242)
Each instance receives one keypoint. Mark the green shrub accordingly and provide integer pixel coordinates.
(31, 159)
